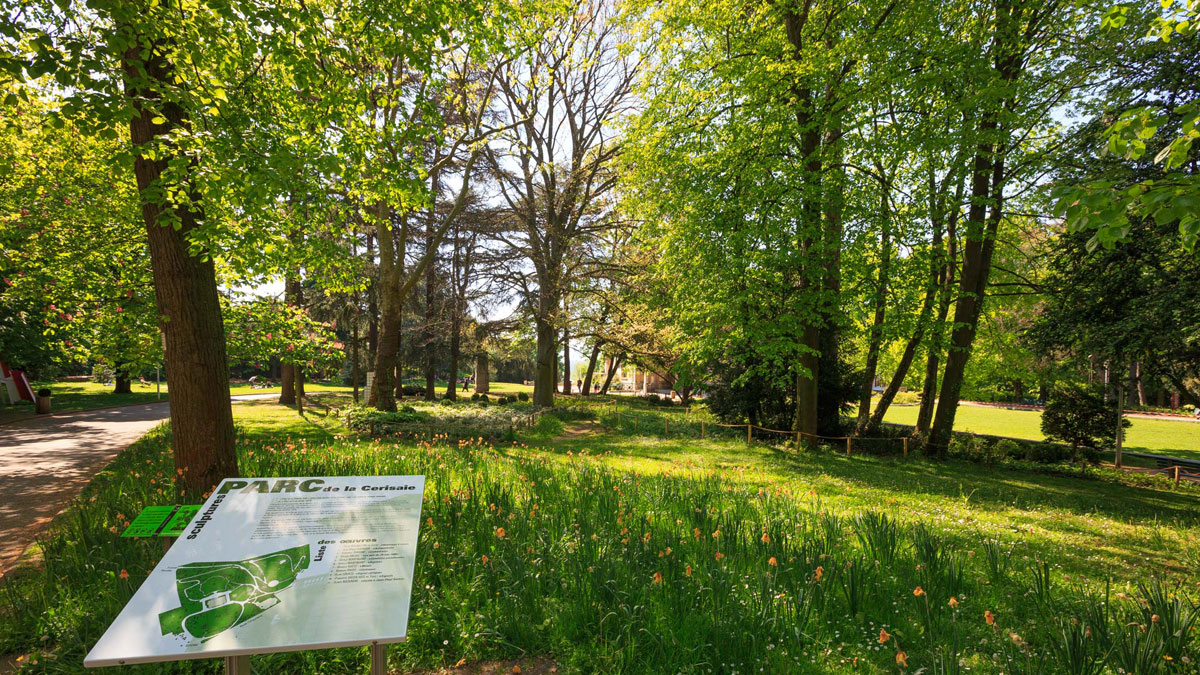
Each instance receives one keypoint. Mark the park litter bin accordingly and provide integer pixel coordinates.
(42, 403)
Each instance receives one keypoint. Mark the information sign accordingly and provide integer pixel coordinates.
(277, 564)
(161, 521)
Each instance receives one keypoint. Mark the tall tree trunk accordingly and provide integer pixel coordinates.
(806, 385)
(354, 355)
(299, 390)
(829, 384)
(987, 185)
(430, 344)
(875, 340)
(939, 284)
(1135, 382)
(1120, 424)
(185, 287)
(455, 352)
(372, 312)
(591, 370)
(547, 348)
(566, 371)
(934, 347)
(292, 296)
(390, 260)
(608, 377)
(482, 375)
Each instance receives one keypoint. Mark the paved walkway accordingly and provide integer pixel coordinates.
(45, 462)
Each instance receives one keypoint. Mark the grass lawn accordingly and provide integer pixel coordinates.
(69, 396)
(1179, 438)
(625, 553)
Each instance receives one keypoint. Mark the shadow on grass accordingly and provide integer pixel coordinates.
(988, 487)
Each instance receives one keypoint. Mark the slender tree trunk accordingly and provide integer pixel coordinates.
(1120, 427)
(566, 372)
(875, 341)
(185, 288)
(608, 377)
(933, 356)
(299, 390)
(287, 393)
(591, 370)
(372, 310)
(1135, 382)
(354, 356)
(430, 344)
(906, 359)
(987, 185)
(455, 353)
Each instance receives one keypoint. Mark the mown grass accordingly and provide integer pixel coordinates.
(625, 553)
(71, 396)
(1178, 438)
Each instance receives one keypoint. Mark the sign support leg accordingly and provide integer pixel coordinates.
(237, 665)
(378, 659)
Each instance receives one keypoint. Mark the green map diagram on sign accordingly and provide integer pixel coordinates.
(216, 596)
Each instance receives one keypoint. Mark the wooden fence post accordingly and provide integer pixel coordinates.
(749, 433)
(905, 439)
(848, 441)
(798, 441)
(702, 429)
(1176, 475)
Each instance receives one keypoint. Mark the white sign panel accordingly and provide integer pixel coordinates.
(278, 564)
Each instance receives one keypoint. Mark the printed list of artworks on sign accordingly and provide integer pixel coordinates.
(362, 561)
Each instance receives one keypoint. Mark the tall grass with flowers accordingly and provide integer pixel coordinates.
(524, 552)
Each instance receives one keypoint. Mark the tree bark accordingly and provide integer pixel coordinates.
(121, 383)
(455, 353)
(185, 288)
(566, 371)
(608, 377)
(287, 393)
(547, 350)
(986, 187)
(482, 375)
(875, 340)
(806, 385)
(591, 370)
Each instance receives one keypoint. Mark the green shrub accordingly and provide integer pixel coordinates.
(364, 419)
(522, 397)
(475, 396)
(1006, 448)
(1082, 419)
(976, 449)
(446, 401)
(906, 398)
